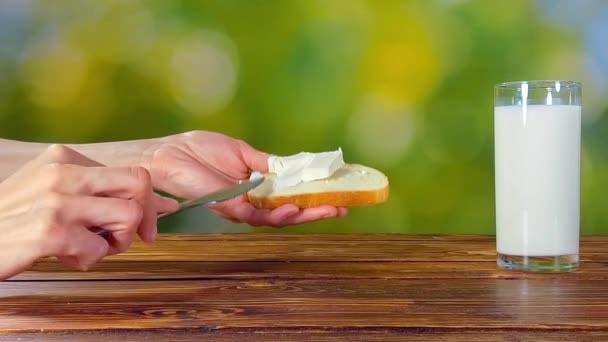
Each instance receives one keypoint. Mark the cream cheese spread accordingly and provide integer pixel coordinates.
(304, 167)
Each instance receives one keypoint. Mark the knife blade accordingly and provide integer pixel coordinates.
(209, 199)
(217, 197)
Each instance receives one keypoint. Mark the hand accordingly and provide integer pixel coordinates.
(192, 164)
(48, 206)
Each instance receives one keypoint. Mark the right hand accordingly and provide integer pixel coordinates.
(194, 164)
(48, 207)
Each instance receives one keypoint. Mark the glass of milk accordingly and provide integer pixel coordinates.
(537, 127)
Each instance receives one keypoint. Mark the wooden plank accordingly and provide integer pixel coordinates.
(309, 250)
(312, 250)
(321, 237)
(340, 237)
(380, 335)
(124, 270)
(547, 304)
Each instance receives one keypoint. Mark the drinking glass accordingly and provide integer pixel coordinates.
(537, 127)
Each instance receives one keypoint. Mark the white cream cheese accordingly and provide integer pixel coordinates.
(304, 167)
(255, 176)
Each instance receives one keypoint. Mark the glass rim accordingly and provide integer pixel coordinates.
(539, 84)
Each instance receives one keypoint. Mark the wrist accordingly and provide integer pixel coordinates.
(121, 153)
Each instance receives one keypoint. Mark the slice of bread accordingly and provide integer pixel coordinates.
(351, 185)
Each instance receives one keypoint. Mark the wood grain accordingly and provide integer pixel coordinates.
(141, 270)
(342, 237)
(214, 304)
(309, 335)
(429, 250)
(270, 287)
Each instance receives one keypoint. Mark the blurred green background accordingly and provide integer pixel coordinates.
(403, 86)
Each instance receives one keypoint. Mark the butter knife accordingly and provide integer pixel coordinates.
(212, 198)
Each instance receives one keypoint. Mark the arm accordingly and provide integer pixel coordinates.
(14, 154)
(190, 165)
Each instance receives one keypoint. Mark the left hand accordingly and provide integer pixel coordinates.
(196, 163)
(49, 206)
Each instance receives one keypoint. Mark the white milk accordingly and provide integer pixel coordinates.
(537, 179)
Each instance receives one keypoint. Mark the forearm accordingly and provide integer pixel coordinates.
(120, 153)
(14, 154)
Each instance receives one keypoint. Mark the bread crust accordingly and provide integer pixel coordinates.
(311, 200)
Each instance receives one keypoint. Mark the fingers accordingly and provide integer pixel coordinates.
(121, 217)
(58, 237)
(242, 211)
(61, 194)
(145, 197)
(38, 176)
(122, 182)
(68, 171)
(84, 249)
(311, 215)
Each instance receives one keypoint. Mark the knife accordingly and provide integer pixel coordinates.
(216, 197)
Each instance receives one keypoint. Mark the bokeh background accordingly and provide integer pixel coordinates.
(403, 86)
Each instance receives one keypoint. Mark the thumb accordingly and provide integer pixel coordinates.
(164, 204)
(254, 159)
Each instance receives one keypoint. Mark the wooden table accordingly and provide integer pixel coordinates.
(308, 288)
